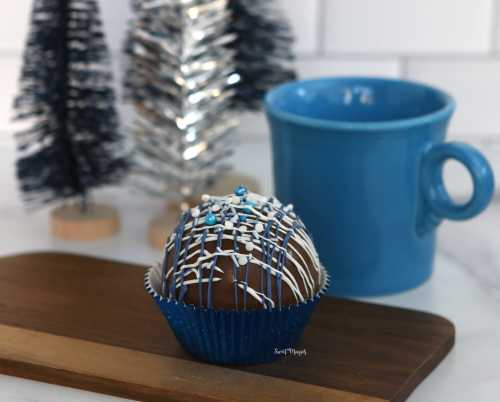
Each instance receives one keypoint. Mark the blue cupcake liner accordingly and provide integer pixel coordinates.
(233, 337)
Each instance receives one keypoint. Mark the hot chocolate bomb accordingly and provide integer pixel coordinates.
(239, 280)
(241, 252)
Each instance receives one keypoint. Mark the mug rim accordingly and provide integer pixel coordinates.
(445, 111)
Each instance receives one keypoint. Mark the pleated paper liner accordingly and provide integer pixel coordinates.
(233, 337)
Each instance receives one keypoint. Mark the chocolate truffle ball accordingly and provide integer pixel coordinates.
(241, 251)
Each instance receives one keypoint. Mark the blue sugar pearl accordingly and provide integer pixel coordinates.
(243, 218)
(210, 219)
(240, 191)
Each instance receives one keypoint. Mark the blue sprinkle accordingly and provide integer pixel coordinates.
(240, 191)
(243, 218)
(210, 219)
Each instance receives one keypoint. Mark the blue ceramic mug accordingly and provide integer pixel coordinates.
(362, 161)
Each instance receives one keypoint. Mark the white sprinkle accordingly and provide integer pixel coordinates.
(271, 214)
(205, 198)
(288, 208)
(242, 260)
(235, 200)
(172, 238)
(195, 212)
(249, 246)
(259, 227)
(243, 229)
(235, 219)
(216, 208)
(184, 206)
(228, 225)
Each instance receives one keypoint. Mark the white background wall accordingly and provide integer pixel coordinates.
(454, 44)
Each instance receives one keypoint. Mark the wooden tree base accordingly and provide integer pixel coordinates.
(163, 224)
(99, 221)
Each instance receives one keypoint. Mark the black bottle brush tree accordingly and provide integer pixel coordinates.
(263, 50)
(263, 59)
(72, 143)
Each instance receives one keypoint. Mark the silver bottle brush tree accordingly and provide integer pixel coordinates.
(181, 82)
(193, 66)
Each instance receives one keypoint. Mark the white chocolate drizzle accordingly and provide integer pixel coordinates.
(255, 226)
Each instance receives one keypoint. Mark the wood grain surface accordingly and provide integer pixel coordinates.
(88, 323)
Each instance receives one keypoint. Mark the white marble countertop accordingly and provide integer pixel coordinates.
(464, 288)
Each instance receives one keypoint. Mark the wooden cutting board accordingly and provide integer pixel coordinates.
(88, 323)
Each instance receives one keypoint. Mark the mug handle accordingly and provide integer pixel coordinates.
(438, 203)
